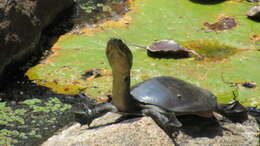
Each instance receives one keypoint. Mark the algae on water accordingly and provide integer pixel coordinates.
(220, 31)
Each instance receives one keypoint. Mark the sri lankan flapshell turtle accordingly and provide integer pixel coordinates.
(162, 98)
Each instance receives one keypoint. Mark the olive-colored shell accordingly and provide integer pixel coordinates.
(174, 95)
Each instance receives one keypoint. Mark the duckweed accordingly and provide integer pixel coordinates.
(29, 120)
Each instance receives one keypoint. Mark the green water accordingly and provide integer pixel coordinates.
(150, 20)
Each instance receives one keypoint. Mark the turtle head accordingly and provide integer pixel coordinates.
(119, 56)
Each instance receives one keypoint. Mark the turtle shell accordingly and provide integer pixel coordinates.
(165, 45)
(175, 95)
(168, 49)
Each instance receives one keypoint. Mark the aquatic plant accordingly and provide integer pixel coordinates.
(30, 119)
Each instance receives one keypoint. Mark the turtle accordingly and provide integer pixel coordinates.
(162, 98)
(168, 49)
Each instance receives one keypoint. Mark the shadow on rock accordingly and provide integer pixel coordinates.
(207, 2)
(195, 126)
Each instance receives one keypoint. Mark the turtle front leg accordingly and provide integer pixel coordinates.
(161, 117)
(234, 111)
(87, 115)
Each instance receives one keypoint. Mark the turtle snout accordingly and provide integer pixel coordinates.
(114, 42)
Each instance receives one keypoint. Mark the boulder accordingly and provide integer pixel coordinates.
(21, 25)
(144, 131)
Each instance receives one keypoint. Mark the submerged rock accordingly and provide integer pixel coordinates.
(143, 131)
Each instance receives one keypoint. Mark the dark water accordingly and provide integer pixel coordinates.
(88, 12)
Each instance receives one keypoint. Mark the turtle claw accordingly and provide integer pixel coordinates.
(173, 121)
(234, 111)
(85, 116)
(174, 124)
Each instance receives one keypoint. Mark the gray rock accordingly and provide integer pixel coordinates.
(143, 131)
(21, 24)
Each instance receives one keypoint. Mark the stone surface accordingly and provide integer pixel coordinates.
(21, 24)
(143, 131)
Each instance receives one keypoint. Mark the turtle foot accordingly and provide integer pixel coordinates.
(85, 116)
(234, 111)
(174, 123)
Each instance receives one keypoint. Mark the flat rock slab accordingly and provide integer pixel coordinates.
(144, 131)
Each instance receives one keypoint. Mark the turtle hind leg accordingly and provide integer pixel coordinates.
(127, 117)
(167, 121)
(87, 115)
(234, 111)
(161, 117)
